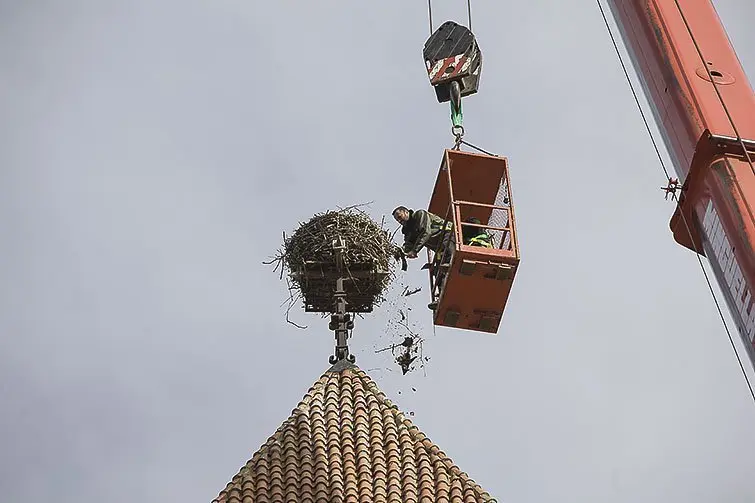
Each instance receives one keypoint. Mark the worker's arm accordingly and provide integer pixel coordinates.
(422, 224)
(408, 245)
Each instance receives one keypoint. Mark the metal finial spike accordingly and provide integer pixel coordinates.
(340, 320)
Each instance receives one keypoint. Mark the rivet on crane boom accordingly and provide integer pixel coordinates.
(472, 192)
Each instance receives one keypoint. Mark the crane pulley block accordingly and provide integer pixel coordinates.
(452, 55)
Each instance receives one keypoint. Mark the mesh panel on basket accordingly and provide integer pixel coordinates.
(500, 217)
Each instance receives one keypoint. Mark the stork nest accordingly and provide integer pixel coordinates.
(368, 260)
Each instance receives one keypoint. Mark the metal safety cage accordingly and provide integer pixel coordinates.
(472, 288)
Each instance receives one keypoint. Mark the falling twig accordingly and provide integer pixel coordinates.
(354, 206)
(408, 292)
(391, 347)
(411, 332)
(291, 303)
(295, 324)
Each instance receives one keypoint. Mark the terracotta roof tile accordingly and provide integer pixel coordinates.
(346, 442)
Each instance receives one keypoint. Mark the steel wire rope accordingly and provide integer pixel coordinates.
(430, 14)
(673, 195)
(464, 142)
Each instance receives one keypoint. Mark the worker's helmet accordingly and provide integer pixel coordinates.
(473, 220)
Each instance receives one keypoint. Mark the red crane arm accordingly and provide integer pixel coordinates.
(704, 107)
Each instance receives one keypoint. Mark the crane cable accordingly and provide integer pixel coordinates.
(469, 14)
(430, 14)
(674, 197)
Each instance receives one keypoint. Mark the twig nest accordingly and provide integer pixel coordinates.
(367, 256)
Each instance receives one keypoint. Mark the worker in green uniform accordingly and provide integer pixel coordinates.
(476, 236)
(424, 229)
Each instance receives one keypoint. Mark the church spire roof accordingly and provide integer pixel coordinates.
(346, 442)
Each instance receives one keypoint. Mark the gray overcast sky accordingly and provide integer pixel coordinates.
(152, 154)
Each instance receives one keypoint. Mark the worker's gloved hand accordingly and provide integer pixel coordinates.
(399, 255)
(411, 254)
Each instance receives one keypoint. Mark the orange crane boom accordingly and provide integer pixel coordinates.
(704, 107)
